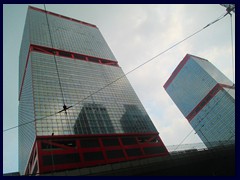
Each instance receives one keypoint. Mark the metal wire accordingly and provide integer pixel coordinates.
(213, 22)
(232, 48)
(202, 119)
(59, 81)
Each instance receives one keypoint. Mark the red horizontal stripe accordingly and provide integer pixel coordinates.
(58, 52)
(96, 135)
(73, 55)
(64, 17)
(102, 149)
(206, 99)
(178, 69)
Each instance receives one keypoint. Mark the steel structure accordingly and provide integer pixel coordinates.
(57, 153)
(63, 60)
(206, 97)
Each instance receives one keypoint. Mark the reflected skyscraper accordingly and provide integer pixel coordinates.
(206, 97)
(93, 119)
(70, 103)
(133, 120)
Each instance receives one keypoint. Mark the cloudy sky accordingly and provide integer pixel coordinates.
(135, 33)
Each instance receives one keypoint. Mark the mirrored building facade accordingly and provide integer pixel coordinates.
(206, 97)
(67, 61)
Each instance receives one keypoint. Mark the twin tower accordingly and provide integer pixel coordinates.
(77, 108)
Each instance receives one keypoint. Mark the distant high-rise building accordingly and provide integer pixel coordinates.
(74, 109)
(206, 97)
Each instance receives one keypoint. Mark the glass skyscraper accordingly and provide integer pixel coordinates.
(64, 61)
(206, 97)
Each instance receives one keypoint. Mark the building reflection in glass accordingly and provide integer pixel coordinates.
(93, 119)
(133, 120)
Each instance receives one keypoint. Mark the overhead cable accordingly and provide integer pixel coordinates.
(161, 53)
(202, 119)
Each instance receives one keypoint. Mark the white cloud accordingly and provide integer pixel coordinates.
(151, 35)
(137, 33)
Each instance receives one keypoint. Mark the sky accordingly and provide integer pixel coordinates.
(135, 34)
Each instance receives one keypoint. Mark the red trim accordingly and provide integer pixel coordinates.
(101, 149)
(72, 55)
(40, 162)
(61, 149)
(37, 158)
(56, 144)
(95, 135)
(33, 159)
(178, 69)
(61, 16)
(66, 54)
(24, 74)
(206, 99)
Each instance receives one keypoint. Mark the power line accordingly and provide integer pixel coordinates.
(59, 81)
(222, 16)
(29, 122)
(232, 47)
(161, 53)
(202, 119)
(228, 12)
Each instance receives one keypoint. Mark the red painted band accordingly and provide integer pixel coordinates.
(72, 55)
(178, 69)
(25, 69)
(96, 135)
(206, 99)
(62, 53)
(61, 16)
(50, 150)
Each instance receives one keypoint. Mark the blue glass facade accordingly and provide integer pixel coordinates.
(216, 121)
(67, 35)
(80, 80)
(206, 97)
(114, 109)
